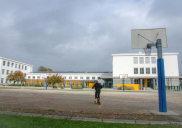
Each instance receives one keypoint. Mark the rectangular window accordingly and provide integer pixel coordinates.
(33, 77)
(147, 60)
(147, 70)
(70, 77)
(135, 59)
(2, 80)
(3, 71)
(7, 72)
(29, 77)
(136, 81)
(135, 70)
(11, 72)
(153, 70)
(22, 67)
(87, 78)
(141, 60)
(93, 78)
(15, 65)
(12, 64)
(64, 77)
(141, 70)
(19, 66)
(81, 77)
(8, 64)
(4, 63)
(75, 77)
(99, 78)
(153, 59)
(38, 77)
(25, 67)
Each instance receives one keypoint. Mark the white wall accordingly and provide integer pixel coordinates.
(124, 64)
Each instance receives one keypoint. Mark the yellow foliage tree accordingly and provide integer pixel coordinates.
(17, 76)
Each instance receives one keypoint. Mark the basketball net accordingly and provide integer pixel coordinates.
(147, 51)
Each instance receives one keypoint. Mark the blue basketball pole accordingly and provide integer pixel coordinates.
(123, 85)
(46, 85)
(161, 78)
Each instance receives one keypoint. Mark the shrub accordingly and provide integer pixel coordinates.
(15, 85)
(125, 88)
(37, 85)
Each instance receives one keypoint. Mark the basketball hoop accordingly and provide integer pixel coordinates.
(123, 77)
(147, 51)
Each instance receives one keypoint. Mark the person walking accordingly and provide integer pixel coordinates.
(97, 87)
(23, 86)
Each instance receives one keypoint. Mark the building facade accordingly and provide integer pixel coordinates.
(141, 69)
(10, 66)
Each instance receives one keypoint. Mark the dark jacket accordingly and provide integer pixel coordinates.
(97, 86)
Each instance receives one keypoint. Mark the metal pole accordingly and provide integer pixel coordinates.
(123, 84)
(161, 78)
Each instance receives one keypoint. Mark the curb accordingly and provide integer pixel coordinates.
(93, 119)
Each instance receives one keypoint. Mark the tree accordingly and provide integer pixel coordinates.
(55, 79)
(42, 68)
(17, 76)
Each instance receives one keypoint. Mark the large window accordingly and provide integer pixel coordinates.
(81, 77)
(153, 59)
(75, 77)
(11, 72)
(2, 80)
(87, 78)
(8, 64)
(22, 67)
(135, 70)
(33, 77)
(135, 59)
(25, 67)
(15, 65)
(3, 71)
(153, 70)
(29, 77)
(12, 64)
(141, 70)
(70, 77)
(4, 63)
(147, 70)
(141, 60)
(19, 66)
(64, 77)
(38, 77)
(93, 78)
(147, 60)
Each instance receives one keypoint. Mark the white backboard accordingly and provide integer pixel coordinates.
(140, 37)
(121, 76)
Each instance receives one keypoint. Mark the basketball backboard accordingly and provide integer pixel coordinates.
(125, 76)
(141, 37)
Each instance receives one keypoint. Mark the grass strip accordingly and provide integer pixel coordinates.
(18, 121)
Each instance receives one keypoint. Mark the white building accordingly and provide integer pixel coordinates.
(10, 66)
(142, 69)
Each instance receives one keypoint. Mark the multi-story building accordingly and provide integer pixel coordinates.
(141, 69)
(10, 66)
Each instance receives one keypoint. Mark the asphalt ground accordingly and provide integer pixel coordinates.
(114, 104)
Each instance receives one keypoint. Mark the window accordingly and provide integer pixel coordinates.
(147, 60)
(81, 77)
(87, 78)
(29, 77)
(33, 77)
(4, 63)
(25, 67)
(141, 60)
(3, 71)
(15, 65)
(93, 78)
(70, 77)
(147, 70)
(75, 77)
(99, 78)
(64, 77)
(135, 59)
(11, 72)
(22, 67)
(19, 66)
(136, 81)
(153, 70)
(38, 77)
(7, 72)
(8, 64)
(141, 70)
(2, 80)
(135, 70)
(12, 64)
(153, 59)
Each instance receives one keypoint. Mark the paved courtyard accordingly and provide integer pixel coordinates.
(83, 101)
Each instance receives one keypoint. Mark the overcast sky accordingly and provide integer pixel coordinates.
(81, 35)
